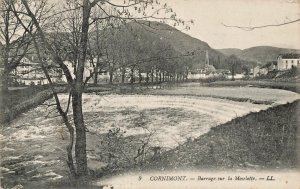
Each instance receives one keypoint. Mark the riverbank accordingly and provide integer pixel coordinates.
(266, 140)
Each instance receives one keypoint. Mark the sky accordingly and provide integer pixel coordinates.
(210, 14)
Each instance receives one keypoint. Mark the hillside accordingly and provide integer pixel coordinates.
(230, 51)
(182, 42)
(259, 54)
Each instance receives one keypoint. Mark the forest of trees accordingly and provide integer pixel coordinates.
(131, 49)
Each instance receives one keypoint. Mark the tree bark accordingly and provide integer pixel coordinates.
(123, 75)
(96, 70)
(4, 117)
(77, 85)
(132, 76)
(140, 76)
(111, 76)
(160, 77)
(80, 142)
(152, 76)
(232, 73)
(147, 77)
(63, 114)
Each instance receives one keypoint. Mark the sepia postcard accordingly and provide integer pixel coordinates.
(149, 94)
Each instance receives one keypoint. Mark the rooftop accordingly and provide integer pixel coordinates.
(290, 56)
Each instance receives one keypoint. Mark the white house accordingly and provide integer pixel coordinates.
(29, 72)
(287, 61)
(255, 71)
(196, 74)
(88, 69)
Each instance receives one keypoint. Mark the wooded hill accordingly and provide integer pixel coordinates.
(143, 45)
(259, 54)
(181, 43)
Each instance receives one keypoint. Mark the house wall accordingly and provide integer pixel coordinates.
(285, 64)
(88, 69)
(29, 72)
(256, 71)
(35, 81)
(263, 71)
(272, 67)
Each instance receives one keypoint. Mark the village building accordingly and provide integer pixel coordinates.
(271, 66)
(90, 70)
(208, 71)
(29, 72)
(264, 69)
(287, 61)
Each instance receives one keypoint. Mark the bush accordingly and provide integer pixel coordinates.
(289, 74)
(269, 75)
(213, 79)
(32, 83)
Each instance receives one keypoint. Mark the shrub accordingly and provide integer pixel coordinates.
(214, 78)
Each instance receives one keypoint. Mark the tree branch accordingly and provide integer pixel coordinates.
(250, 28)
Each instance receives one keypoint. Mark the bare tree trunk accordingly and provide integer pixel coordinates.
(152, 76)
(77, 88)
(111, 76)
(63, 114)
(132, 76)
(232, 73)
(80, 142)
(96, 71)
(186, 75)
(96, 77)
(160, 77)
(147, 77)
(4, 116)
(123, 74)
(4, 81)
(140, 76)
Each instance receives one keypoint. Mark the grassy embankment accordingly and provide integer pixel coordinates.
(291, 86)
(21, 100)
(263, 140)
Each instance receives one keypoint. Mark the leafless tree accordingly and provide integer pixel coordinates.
(14, 44)
(80, 26)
